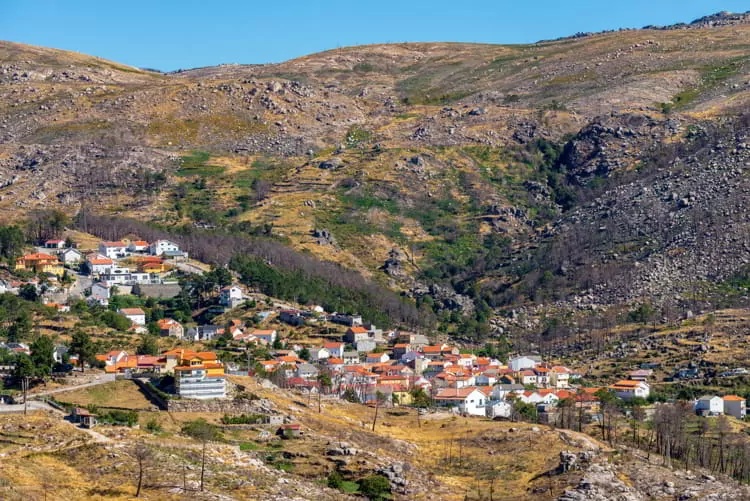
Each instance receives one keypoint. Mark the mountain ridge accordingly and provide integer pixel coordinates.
(456, 174)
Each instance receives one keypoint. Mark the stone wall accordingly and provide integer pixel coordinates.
(227, 406)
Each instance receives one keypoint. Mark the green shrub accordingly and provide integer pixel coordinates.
(335, 480)
(153, 426)
(375, 487)
(242, 419)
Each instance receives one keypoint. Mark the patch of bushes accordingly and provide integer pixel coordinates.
(375, 487)
(242, 419)
(118, 417)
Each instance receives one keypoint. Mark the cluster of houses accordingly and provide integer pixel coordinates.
(198, 375)
(730, 405)
(390, 366)
(151, 263)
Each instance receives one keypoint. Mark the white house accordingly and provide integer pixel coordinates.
(366, 345)
(628, 389)
(377, 358)
(709, 405)
(113, 250)
(138, 246)
(317, 354)
(161, 246)
(524, 362)
(559, 377)
(735, 406)
(351, 357)
(500, 391)
(71, 256)
(528, 377)
(499, 409)
(99, 264)
(467, 400)
(485, 380)
(101, 292)
(335, 349)
(265, 335)
(135, 315)
(54, 244)
(230, 296)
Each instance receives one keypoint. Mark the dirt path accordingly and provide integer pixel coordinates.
(103, 379)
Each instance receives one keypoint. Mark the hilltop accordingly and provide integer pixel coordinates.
(583, 172)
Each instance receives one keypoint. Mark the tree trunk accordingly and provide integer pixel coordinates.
(140, 481)
(203, 465)
(374, 419)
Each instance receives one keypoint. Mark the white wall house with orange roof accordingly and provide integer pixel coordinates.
(468, 400)
(735, 406)
(113, 250)
(628, 389)
(559, 377)
(135, 315)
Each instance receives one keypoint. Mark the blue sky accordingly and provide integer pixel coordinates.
(172, 34)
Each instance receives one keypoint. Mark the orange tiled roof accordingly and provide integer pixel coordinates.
(733, 398)
(132, 311)
(358, 330)
(38, 257)
(454, 393)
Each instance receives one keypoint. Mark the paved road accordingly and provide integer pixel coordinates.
(103, 378)
(33, 406)
(82, 283)
(189, 268)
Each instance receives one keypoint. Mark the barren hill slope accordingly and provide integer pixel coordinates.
(595, 169)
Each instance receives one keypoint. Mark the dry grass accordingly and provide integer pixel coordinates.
(123, 394)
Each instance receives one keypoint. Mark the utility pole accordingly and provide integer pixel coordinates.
(25, 384)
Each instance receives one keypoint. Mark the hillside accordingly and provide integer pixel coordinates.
(594, 170)
(445, 457)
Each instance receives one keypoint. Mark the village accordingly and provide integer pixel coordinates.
(353, 360)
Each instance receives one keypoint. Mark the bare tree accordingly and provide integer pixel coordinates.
(143, 456)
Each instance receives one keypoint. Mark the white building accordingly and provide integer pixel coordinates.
(335, 349)
(161, 246)
(524, 362)
(559, 377)
(230, 296)
(197, 382)
(135, 315)
(499, 409)
(100, 264)
(735, 406)
(101, 292)
(709, 405)
(113, 250)
(265, 335)
(71, 256)
(628, 389)
(138, 246)
(467, 400)
(319, 354)
(124, 276)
